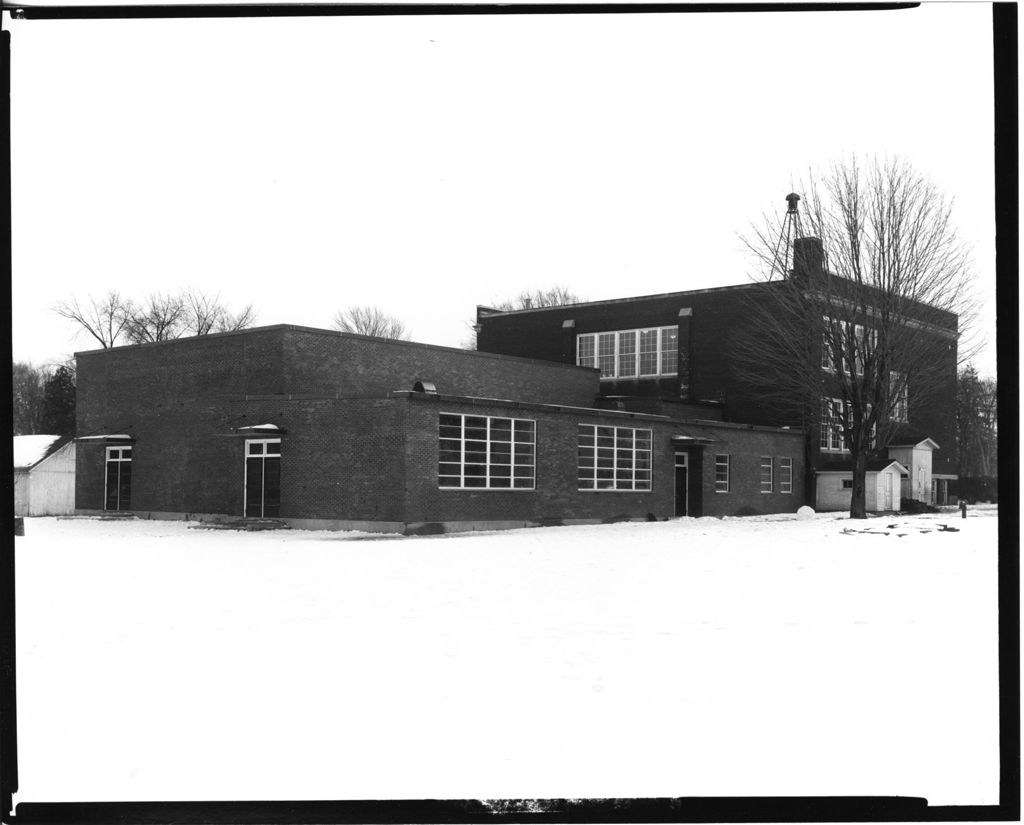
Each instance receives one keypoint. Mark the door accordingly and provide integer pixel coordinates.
(263, 478)
(888, 491)
(118, 479)
(682, 477)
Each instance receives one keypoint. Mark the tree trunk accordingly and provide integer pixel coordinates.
(858, 502)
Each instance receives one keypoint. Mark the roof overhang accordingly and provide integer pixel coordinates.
(120, 437)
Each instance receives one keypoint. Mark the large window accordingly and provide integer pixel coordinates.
(898, 393)
(831, 426)
(484, 452)
(785, 475)
(851, 339)
(721, 473)
(767, 474)
(614, 458)
(630, 353)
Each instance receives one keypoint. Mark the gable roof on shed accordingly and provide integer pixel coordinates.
(29, 450)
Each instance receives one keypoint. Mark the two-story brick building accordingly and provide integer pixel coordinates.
(677, 351)
(325, 429)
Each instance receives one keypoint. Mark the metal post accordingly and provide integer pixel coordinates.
(963, 509)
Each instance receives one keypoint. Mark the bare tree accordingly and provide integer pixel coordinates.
(369, 320)
(865, 327)
(159, 318)
(203, 314)
(102, 318)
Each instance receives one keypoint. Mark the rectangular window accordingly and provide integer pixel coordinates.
(785, 475)
(485, 452)
(767, 474)
(721, 473)
(830, 437)
(826, 346)
(847, 483)
(630, 353)
(613, 458)
(898, 395)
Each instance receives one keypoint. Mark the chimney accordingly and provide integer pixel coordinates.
(808, 257)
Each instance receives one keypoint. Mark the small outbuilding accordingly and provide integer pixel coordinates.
(44, 475)
(882, 486)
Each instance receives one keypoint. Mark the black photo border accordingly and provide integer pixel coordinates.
(681, 809)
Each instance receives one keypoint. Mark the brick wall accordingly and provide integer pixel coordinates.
(557, 494)
(745, 448)
(330, 362)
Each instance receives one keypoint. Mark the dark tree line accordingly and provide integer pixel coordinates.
(43, 400)
(977, 428)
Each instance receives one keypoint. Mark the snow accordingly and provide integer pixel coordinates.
(30, 449)
(755, 656)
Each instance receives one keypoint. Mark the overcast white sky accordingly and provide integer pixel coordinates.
(428, 164)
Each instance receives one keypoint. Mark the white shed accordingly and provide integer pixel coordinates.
(44, 475)
(834, 488)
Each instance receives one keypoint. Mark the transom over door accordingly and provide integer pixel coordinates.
(263, 478)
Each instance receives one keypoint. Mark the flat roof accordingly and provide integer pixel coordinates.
(334, 333)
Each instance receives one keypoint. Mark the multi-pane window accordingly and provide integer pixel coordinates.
(118, 484)
(767, 467)
(831, 426)
(486, 452)
(630, 353)
(721, 473)
(845, 340)
(614, 458)
(785, 475)
(898, 392)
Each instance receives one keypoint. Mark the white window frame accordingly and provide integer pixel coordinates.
(109, 457)
(770, 465)
(620, 353)
(521, 454)
(722, 486)
(900, 406)
(638, 455)
(829, 429)
(785, 475)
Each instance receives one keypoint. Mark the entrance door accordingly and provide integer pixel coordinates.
(263, 478)
(682, 477)
(118, 483)
(888, 492)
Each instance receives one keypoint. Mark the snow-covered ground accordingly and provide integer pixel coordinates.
(692, 657)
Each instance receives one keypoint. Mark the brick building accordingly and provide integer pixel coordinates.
(324, 429)
(674, 353)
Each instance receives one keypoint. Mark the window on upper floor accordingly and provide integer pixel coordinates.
(630, 353)
(830, 435)
(899, 397)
